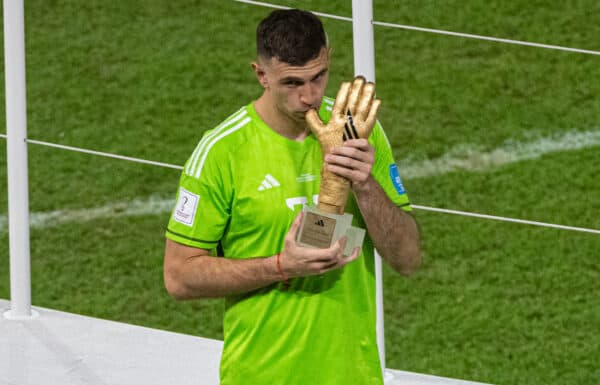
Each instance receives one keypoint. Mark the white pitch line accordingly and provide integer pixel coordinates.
(137, 207)
(465, 157)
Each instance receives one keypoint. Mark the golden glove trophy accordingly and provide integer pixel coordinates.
(352, 117)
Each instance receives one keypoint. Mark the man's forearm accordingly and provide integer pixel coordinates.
(393, 231)
(191, 272)
(205, 276)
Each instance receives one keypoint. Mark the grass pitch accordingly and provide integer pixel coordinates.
(494, 302)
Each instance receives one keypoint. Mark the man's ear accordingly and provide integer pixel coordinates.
(260, 75)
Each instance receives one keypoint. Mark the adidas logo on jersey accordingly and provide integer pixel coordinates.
(268, 183)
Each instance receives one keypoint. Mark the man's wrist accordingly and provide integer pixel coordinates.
(366, 187)
(282, 276)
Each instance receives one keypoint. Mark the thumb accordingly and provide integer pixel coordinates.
(314, 122)
(341, 243)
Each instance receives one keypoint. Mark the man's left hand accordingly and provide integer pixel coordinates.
(354, 161)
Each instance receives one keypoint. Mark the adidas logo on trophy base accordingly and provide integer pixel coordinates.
(321, 230)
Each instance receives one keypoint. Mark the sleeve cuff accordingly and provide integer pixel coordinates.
(189, 241)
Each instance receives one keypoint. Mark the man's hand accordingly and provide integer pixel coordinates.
(298, 261)
(353, 161)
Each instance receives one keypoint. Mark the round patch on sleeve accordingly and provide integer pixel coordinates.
(396, 180)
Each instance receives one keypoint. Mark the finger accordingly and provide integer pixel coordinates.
(324, 256)
(339, 107)
(360, 150)
(351, 146)
(341, 245)
(332, 257)
(322, 262)
(354, 175)
(371, 119)
(342, 239)
(348, 161)
(324, 267)
(364, 103)
(354, 94)
(341, 262)
(329, 255)
(314, 122)
(354, 255)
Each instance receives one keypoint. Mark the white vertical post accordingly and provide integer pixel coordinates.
(362, 35)
(364, 64)
(16, 159)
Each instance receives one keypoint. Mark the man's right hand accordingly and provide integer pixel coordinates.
(299, 261)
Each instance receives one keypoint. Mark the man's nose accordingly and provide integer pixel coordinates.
(309, 94)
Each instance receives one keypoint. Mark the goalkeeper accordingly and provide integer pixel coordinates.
(294, 315)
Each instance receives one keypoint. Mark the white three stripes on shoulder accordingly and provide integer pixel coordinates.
(199, 148)
(198, 157)
(215, 140)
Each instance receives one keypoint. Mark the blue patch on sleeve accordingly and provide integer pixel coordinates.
(395, 176)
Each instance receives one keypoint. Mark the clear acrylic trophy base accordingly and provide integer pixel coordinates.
(321, 230)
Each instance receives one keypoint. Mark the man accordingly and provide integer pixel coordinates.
(294, 315)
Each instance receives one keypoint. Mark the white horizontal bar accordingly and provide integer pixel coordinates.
(437, 31)
(268, 5)
(100, 153)
(489, 38)
(505, 219)
(425, 208)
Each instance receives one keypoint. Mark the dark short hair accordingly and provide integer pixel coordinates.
(292, 36)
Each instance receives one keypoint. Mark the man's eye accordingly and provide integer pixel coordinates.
(293, 83)
(320, 76)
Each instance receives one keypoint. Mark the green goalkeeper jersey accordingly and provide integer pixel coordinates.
(240, 191)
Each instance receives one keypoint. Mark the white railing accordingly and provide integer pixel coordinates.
(16, 159)
(436, 31)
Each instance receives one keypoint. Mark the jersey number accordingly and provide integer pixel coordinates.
(302, 201)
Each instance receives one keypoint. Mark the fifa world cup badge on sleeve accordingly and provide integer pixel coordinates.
(185, 209)
(352, 117)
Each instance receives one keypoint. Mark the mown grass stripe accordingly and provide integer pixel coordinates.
(460, 158)
(469, 158)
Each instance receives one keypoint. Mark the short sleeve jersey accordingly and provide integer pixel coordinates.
(240, 190)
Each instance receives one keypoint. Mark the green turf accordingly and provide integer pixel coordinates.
(495, 302)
